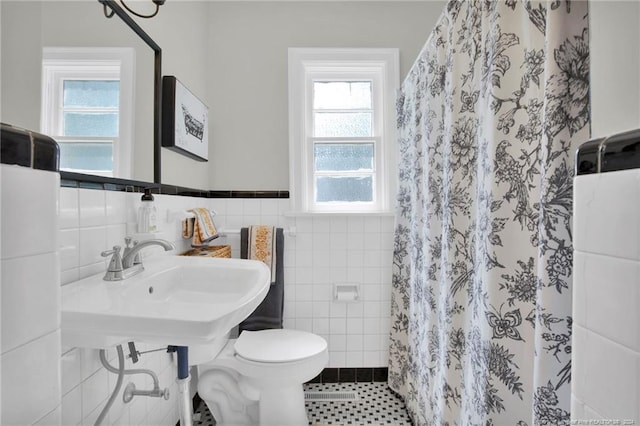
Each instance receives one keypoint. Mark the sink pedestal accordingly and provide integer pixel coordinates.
(184, 393)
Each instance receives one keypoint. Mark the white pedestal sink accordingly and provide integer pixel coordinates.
(176, 300)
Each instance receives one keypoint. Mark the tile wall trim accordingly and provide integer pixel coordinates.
(78, 180)
(351, 375)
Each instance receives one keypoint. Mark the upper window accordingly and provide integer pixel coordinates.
(86, 108)
(341, 112)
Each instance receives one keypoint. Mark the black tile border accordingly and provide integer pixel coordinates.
(358, 375)
(78, 180)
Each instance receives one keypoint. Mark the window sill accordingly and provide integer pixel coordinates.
(339, 214)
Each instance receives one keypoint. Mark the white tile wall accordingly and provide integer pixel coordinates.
(30, 338)
(93, 221)
(606, 298)
(323, 252)
(328, 250)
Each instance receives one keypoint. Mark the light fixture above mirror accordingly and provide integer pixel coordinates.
(157, 3)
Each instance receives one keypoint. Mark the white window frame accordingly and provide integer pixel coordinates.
(307, 65)
(64, 63)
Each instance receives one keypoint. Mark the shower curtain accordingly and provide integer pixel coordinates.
(489, 118)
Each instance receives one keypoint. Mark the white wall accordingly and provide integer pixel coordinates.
(615, 66)
(247, 53)
(30, 298)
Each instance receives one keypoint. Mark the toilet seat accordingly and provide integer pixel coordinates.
(278, 345)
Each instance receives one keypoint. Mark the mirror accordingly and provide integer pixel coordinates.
(34, 30)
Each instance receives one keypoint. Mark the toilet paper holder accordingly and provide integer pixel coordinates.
(346, 292)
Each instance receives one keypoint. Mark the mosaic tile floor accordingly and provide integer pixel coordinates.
(377, 405)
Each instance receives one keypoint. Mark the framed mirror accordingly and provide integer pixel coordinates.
(92, 83)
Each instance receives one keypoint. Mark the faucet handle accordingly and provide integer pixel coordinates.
(115, 265)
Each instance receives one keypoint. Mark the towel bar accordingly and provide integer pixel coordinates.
(173, 215)
(224, 232)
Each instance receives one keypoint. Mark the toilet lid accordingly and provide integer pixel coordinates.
(278, 345)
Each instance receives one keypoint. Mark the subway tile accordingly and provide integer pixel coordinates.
(355, 241)
(336, 359)
(338, 309)
(29, 219)
(116, 207)
(304, 293)
(372, 241)
(322, 259)
(53, 418)
(320, 325)
(338, 224)
(611, 387)
(69, 248)
(355, 259)
(67, 277)
(370, 359)
(304, 275)
(355, 224)
(269, 207)
(611, 295)
(70, 370)
(304, 258)
(338, 342)
(338, 241)
(355, 342)
(598, 228)
(321, 225)
(304, 241)
(355, 326)
(354, 359)
(93, 241)
(115, 235)
(72, 407)
(92, 269)
(95, 391)
(304, 224)
(321, 275)
(69, 213)
(322, 292)
(337, 325)
(355, 310)
(371, 325)
(30, 299)
(92, 207)
(371, 342)
(338, 274)
(321, 309)
(338, 259)
(372, 224)
(321, 241)
(304, 324)
(32, 395)
(304, 309)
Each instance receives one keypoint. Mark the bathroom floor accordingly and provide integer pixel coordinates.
(375, 405)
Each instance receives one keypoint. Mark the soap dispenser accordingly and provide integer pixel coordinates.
(147, 214)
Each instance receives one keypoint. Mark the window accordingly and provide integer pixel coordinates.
(342, 129)
(87, 97)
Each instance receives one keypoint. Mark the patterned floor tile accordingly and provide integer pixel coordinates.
(376, 405)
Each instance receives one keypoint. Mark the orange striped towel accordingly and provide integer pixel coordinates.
(200, 228)
(262, 246)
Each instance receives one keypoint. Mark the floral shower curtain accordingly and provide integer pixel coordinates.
(489, 118)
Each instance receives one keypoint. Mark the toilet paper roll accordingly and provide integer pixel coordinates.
(346, 296)
(346, 292)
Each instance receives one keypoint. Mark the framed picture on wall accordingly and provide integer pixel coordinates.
(185, 120)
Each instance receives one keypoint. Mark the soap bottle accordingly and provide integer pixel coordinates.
(147, 214)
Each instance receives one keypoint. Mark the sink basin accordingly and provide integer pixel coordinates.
(176, 300)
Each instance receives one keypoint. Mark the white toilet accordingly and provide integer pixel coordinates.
(257, 379)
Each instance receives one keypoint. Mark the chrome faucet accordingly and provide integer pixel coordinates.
(124, 266)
